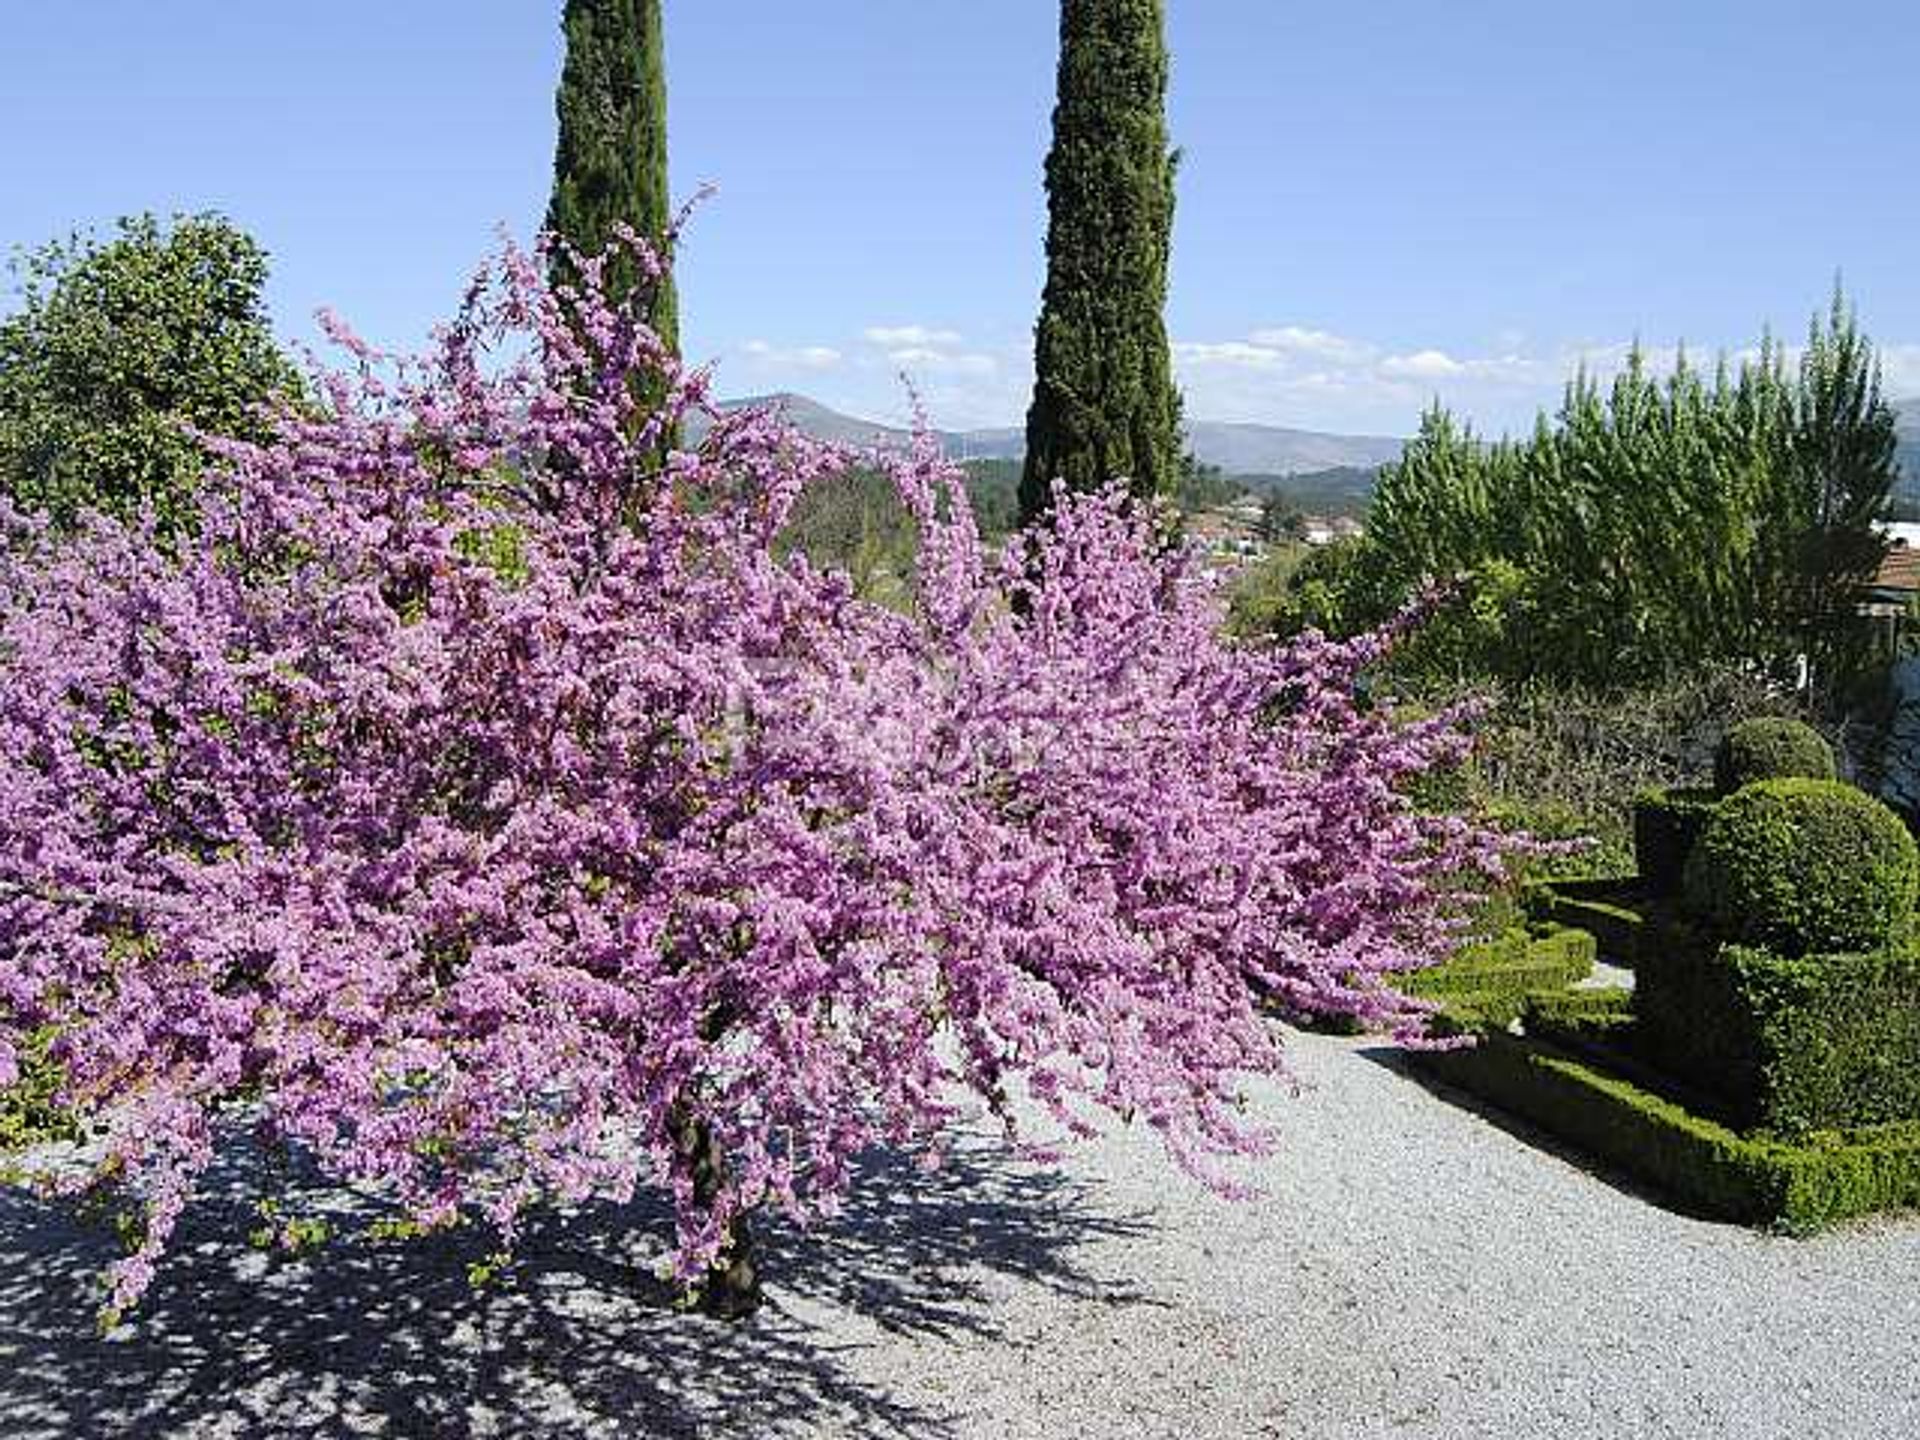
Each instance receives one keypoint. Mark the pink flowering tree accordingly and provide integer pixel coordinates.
(493, 815)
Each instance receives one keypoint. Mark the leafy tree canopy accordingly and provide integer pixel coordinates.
(119, 351)
(1651, 525)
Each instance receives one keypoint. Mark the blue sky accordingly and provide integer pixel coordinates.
(1379, 201)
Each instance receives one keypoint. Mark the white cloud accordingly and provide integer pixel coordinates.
(801, 357)
(1421, 365)
(1234, 354)
(1280, 375)
(1320, 344)
(924, 357)
(1900, 370)
(891, 337)
(1292, 375)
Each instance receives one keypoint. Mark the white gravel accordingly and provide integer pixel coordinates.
(1411, 1269)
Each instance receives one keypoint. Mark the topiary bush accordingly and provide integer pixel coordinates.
(1770, 749)
(1803, 865)
(1491, 981)
(1697, 1161)
(1665, 825)
(1836, 1038)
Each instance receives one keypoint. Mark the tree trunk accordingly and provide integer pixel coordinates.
(730, 1290)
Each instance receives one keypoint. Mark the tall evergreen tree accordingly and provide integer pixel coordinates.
(1651, 525)
(1844, 452)
(1104, 403)
(611, 164)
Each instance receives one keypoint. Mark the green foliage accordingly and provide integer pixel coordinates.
(1770, 749)
(29, 1111)
(1340, 490)
(1699, 1163)
(1199, 486)
(1282, 521)
(1261, 591)
(1666, 823)
(1583, 1014)
(1845, 464)
(118, 348)
(1791, 1044)
(1646, 528)
(1492, 980)
(489, 1272)
(610, 162)
(293, 1235)
(1837, 1036)
(856, 524)
(1594, 907)
(1692, 1025)
(993, 487)
(1104, 404)
(1801, 866)
(1320, 590)
(1566, 761)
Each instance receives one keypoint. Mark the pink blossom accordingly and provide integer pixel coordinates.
(481, 787)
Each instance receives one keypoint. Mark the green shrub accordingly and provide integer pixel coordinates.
(1605, 909)
(124, 351)
(1665, 825)
(1598, 1006)
(1704, 1166)
(29, 1113)
(1770, 749)
(1788, 1044)
(1582, 1021)
(1492, 980)
(1836, 1037)
(1691, 1025)
(1801, 866)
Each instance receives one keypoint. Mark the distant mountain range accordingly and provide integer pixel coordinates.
(1265, 454)
(1238, 449)
(1908, 450)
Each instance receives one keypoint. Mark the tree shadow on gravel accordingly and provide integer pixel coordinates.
(577, 1338)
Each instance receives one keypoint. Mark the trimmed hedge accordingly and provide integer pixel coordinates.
(1836, 1037)
(1666, 823)
(1615, 928)
(1491, 981)
(1790, 1044)
(1583, 1022)
(1704, 1166)
(1592, 1011)
(1691, 1024)
(1804, 865)
(1770, 749)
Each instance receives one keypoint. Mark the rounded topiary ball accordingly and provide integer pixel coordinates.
(1770, 750)
(1804, 865)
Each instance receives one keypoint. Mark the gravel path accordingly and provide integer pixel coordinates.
(1411, 1269)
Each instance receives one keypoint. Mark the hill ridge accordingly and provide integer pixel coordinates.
(1238, 447)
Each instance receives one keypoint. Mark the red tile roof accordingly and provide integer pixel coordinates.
(1900, 570)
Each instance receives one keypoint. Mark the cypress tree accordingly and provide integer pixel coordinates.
(610, 167)
(1104, 403)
